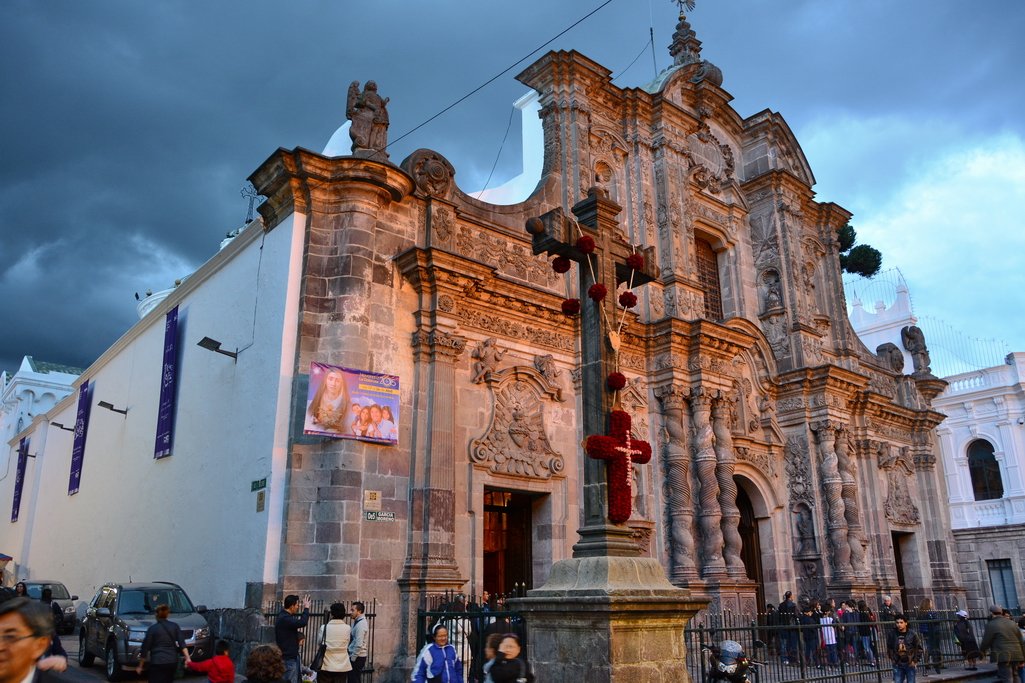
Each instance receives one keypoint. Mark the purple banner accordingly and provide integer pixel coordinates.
(168, 387)
(19, 478)
(85, 396)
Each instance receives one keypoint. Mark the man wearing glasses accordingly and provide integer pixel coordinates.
(26, 629)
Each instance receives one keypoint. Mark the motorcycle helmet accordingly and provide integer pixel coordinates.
(729, 652)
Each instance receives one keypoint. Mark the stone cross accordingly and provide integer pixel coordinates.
(555, 234)
(620, 451)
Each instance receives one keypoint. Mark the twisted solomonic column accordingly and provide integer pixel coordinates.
(681, 505)
(849, 493)
(726, 465)
(709, 514)
(832, 491)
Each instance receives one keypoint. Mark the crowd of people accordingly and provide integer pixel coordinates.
(341, 647)
(825, 634)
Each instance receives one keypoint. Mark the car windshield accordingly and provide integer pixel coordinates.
(35, 590)
(146, 602)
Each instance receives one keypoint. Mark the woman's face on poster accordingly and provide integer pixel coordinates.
(375, 413)
(364, 415)
(334, 383)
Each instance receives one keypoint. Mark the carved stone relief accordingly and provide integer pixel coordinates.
(798, 469)
(546, 366)
(899, 465)
(516, 442)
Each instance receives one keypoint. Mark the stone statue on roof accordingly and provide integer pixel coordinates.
(368, 112)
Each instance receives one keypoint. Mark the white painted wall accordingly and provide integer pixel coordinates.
(189, 518)
(988, 404)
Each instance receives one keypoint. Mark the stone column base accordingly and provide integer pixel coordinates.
(737, 598)
(604, 619)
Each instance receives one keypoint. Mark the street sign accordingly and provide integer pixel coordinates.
(259, 484)
(376, 516)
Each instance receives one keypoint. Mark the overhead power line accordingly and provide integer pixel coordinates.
(503, 72)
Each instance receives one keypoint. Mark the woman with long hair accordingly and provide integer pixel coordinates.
(330, 405)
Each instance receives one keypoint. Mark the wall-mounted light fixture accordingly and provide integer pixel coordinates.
(58, 425)
(215, 346)
(110, 406)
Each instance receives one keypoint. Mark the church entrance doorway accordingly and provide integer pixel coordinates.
(901, 546)
(751, 548)
(508, 551)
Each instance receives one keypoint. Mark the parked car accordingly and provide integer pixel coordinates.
(117, 618)
(61, 597)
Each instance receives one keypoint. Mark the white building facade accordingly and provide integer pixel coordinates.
(982, 445)
(191, 517)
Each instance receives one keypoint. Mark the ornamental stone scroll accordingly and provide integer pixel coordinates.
(516, 442)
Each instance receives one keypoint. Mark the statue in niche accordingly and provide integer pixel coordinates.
(913, 340)
(487, 354)
(805, 531)
(773, 291)
(773, 297)
(368, 112)
(891, 356)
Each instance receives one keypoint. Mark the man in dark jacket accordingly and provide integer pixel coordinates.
(905, 649)
(787, 618)
(1003, 640)
(286, 633)
(25, 632)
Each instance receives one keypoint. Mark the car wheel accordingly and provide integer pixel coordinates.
(113, 666)
(84, 658)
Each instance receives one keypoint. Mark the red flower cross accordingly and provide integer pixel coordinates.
(620, 451)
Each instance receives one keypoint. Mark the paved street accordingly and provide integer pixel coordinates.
(95, 672)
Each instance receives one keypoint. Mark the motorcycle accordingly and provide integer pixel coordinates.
(727, 662)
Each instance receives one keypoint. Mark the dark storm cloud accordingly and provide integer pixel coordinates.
(130, 126)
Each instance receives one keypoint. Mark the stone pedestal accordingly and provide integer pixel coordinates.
(859, 589)
(604, 619)
(738, 597)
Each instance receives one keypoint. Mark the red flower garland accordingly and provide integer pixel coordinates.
(635, 261)
(561, 264)
(615, 381)
(571, 306)
(627, 299)
(597, 292)
(586, 244)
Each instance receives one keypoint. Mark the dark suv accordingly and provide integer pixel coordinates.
(61, 597)
(117, 618)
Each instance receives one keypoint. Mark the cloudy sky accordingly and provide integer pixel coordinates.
(129, 128)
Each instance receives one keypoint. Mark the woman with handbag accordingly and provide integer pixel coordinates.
(332, 659)
(160, 648)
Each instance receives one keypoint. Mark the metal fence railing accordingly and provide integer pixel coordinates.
(318, 617)
(798, 651)
(469, 620)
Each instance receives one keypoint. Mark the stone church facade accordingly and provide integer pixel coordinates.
(787, 456)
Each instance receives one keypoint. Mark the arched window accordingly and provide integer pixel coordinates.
(985, 471)
(708, 278)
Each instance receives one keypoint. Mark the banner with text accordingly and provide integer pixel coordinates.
(168, 387)
(352, 404)
(85, 398)
(19, 478)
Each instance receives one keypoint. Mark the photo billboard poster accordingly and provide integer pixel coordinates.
(85, 397)
(168, 386)
(343, 403)
(19, 478)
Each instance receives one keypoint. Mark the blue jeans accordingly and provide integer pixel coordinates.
(293, 670)
(903, 673)
(866, 648)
